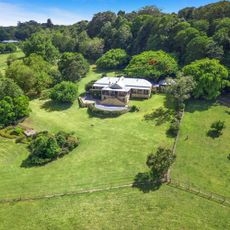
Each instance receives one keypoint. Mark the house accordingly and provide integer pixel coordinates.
(118, 90)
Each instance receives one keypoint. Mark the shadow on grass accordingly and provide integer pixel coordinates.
(199, 105)
(29, 163)
(54, 106)
(213, 134)
(145, 183)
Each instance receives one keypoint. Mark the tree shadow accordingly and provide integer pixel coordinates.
(145, 183)
(213, 134)
(227, 111)
(194, 105)
(54, 106)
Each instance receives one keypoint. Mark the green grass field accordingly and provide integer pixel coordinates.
(202, 160)
(112, 152)
(3, 59)
(166, 208)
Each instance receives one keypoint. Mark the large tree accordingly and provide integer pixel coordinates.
(31, 74)
(113, 59)
(64, 92)
(73, 66)
(41, 44)
(209, 75)
(152, 65)
(9, 88)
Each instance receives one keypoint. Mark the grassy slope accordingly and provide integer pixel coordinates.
(112, 151)
(166, 208)
(3, 59)
(202, 160)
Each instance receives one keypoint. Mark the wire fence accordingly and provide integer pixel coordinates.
(199, 192)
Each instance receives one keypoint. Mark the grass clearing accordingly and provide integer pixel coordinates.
(202, 160)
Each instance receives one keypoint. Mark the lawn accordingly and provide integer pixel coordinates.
(166, 208)
(202, 160)
(3, 59)
(112, 151)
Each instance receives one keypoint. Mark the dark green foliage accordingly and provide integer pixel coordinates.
(181, 90)
(208, 75)
(41, 44)
(89, 85)
(174, 127)
(7, 48)
(31, 74)
(216, 129)
(160, 162)
(9, 88)
(113, 59)
(73, 66)
(134, 108)
(64, 92)
(13, 109)
(45, 147)
(152, 65)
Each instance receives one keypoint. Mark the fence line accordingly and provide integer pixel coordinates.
(197, 191)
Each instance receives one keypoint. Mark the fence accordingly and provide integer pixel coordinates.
(197, 191)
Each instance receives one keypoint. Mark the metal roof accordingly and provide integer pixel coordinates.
(122, 82)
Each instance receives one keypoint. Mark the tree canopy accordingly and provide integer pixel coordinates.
(209, 76)
(73, 66)
(113, 59)
(152, 65)
(64, 92)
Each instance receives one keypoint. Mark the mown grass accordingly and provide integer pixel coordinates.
(111, 151)
(3, 59)
(166, 208)
(202, 160)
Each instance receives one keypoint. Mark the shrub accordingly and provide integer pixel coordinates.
(45, 147)
(174, 128)
(64, 92)
(216, 129)
(134, 108)
(89, 85)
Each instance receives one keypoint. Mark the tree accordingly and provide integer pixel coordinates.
(92, 48)
(201, 47)
(152, 65)
(160, 162)
(31, 74)
(98, 21)
(113, 59)
(64, 92)
(73, 66)
(181, 89)
(149, 10)
(209, 76)
(41, 44)
(9, 88)
(12, 109)
(44, 146)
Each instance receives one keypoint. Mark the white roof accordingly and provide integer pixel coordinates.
(122, 82)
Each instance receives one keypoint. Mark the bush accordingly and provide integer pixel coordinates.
(113, 59)
(45, 147)
(134, 108)
(174, 128)
(64, 92)
(216, 129)
(89, 85)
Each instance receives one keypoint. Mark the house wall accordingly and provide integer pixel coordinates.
(139, 93)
